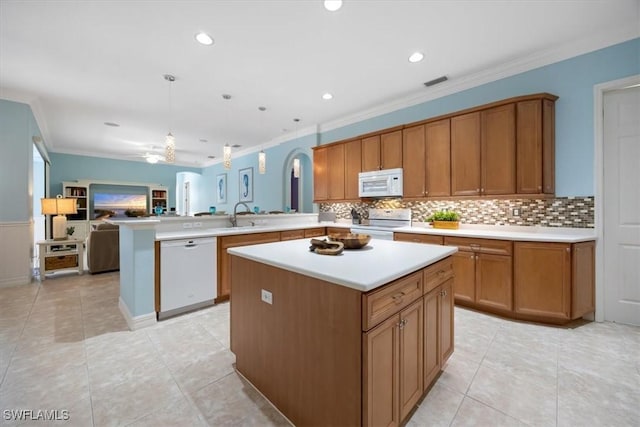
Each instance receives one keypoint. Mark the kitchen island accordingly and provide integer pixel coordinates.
(353, 339)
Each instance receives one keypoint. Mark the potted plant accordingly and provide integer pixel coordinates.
(70, 231)
(444, 219)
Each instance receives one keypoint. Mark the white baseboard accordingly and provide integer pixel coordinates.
(138, 322)
(15, 281)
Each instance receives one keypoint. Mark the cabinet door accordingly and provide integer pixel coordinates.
(413, 161)
(371, 153)
(498, 156)
(352, 167)
(381, 374)
(410, 356)
(438, 158)
(582, 279)
(464, 270)
(493, 281)
(529, 146)
(431, 333)
(320, 176)
(335, 159)
(548, 146)
(391, 150)
(446, 321)
(542, 279)
(465, 155)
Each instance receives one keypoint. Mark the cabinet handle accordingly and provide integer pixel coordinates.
(477, 190)
(397, 298)
(482, 190)
(473, 257)
(476, 257)
(539, 187)
(440, 272)
(474, 246)
(402, 323)
(568, 250)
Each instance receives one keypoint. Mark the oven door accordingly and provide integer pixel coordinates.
(375, 234)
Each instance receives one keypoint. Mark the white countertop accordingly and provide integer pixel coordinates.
(228, 231)
(378, 263)
(506, 232)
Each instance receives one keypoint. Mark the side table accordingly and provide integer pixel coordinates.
(56, 255)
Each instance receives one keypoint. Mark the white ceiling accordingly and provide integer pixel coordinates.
(82, 63)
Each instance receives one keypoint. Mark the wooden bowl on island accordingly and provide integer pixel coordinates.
(351, 240)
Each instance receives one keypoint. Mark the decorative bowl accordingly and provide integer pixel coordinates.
(351, 240)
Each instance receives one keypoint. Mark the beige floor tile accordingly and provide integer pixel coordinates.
(179, 413)
(438, 408)
(530, 400)
(458, 373)
(232, 401)
(474, 414)
(203, 371)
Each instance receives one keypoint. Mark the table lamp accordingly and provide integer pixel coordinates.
(59, 207)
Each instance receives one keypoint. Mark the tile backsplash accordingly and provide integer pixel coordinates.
(575, 212)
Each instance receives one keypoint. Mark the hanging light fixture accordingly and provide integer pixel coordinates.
(262, 156)
(170, 141)
(226, 151)
(296, 168)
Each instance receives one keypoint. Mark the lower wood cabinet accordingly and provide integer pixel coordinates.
(554, 280)
(418, 238)
(438, 330)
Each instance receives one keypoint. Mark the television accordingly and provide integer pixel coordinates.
(114, 205)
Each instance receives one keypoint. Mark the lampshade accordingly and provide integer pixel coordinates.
(169, 149)
(226, 160)
(262, 162)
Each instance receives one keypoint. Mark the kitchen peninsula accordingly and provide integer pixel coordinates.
(353, 339)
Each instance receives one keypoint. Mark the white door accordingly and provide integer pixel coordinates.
(622, 206)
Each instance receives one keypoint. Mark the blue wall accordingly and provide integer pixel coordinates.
(68, 167)
(572, 80)
(17, 128)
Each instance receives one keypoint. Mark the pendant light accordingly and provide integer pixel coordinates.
(296, 161)
(170, 141)
(262, 156)
(226, 151)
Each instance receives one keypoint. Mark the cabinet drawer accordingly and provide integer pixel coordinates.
(418, 238)
(487, 246)
(314, 232)
(62, 261)
(378, 305)
(338, 230)
(438, 273)
(291, 234)
(249, 239)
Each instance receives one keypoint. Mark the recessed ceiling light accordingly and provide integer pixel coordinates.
(236, 146)
(332, 5)
(203, 140)
(416, 57)
(204, 38)
(112, 124)
(211, 157)
(327, 96)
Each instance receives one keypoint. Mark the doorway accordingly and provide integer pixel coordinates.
(39, 168)
(621, 205)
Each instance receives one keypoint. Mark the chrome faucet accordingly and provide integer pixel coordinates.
(234, 219)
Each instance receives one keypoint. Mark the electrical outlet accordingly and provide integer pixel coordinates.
(266, 296)
(187, 225)
(515, 212)
(197, 224)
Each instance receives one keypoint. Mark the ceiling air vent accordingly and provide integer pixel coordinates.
(436, 81)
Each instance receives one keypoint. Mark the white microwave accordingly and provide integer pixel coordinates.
(382, 183)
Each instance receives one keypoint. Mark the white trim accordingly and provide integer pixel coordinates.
(598, 138)
(138, 322)
(15, 281)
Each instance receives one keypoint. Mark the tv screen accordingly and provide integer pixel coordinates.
(111, 205)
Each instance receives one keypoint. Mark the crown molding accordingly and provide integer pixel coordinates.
(498, 72)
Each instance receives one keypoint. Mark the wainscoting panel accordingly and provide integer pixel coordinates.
(15, 253)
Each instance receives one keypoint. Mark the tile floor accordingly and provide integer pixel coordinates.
(65, 346)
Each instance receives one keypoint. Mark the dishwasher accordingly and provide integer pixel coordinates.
(187, 275)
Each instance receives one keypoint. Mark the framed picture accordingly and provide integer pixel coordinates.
(245, 180)
(221, 188)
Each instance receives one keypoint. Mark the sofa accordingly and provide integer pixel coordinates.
(103, 248)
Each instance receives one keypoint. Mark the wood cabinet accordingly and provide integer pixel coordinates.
(535, 141)
(498, 150)
(337, 230)
(483, 270)
(224, 259)
(554, 280)
(438, 163)
(414, 161)
(291, 235)
(383, 151)
(336, 178)
(394, 361)
(314, 232)
(320, 174)
(465, 155)
(352, 167)
(418, 238)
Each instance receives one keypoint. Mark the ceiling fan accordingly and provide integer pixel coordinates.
(152, 156)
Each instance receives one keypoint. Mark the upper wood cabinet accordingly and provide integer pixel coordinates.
(438, 150)
(382, 151)
(498, 150)
(335, 158)
(352, 167)
(465, 155)
(320, 174)
(414, 161)
(535, 141)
